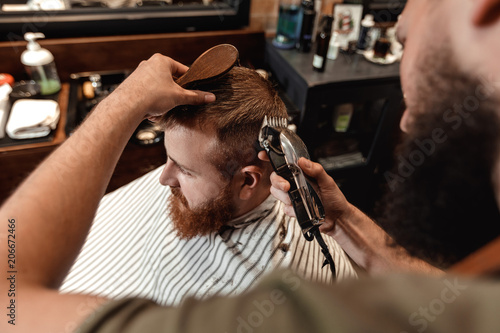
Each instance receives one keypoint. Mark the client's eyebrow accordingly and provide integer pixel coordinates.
(181, 166)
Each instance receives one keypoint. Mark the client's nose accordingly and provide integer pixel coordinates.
(168, 175)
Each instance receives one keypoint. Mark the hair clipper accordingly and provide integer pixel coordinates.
(284, 149)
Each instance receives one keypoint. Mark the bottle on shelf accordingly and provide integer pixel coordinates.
(307, 26)
(288, 20)
(322, 41)
(382, 45)
(333, 49)
(39, 63)
(364, 35)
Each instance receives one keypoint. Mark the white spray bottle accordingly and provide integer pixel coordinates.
(40, 64)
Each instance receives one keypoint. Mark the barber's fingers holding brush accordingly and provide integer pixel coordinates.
(335, 204)
(152, 90)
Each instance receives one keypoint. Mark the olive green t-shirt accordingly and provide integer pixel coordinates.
(285, 303)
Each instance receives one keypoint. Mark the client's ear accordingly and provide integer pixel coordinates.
(485, 12)
(252, 177)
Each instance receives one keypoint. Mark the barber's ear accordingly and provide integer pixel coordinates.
(485, 12)
(252, 176)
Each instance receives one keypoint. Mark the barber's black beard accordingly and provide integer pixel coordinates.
(208, 218)
(442, 206)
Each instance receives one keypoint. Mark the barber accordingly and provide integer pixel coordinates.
(447, 206)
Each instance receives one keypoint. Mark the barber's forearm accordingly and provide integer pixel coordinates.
(54, 207)
(367, 244)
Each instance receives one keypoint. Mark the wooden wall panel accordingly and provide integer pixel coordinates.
(126, 52)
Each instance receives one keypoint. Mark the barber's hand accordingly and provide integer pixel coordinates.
(152, 90)
(335, 204)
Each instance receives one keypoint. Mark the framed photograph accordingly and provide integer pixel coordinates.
(346, 22)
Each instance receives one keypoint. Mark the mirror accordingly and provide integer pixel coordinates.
(77, 18)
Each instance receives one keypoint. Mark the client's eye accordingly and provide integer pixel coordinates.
(185, 172)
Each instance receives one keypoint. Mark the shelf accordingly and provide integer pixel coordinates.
(58, 135)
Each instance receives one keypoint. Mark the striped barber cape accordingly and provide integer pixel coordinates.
(132, 250)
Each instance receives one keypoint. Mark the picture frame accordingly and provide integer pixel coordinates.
(346, 22)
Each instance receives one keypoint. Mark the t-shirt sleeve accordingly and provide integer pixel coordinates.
(272, 306)
(285, 303)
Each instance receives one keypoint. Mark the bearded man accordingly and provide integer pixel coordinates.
(222, 230)
(443, 197)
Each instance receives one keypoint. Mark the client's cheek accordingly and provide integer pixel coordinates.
(210, 190)
(179, 198)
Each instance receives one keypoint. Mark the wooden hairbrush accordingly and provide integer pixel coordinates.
(211, 65)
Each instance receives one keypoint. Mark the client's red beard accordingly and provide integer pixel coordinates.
(207, 218)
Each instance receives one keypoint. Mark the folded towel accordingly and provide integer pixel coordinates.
(5, 90)
(30, 118)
